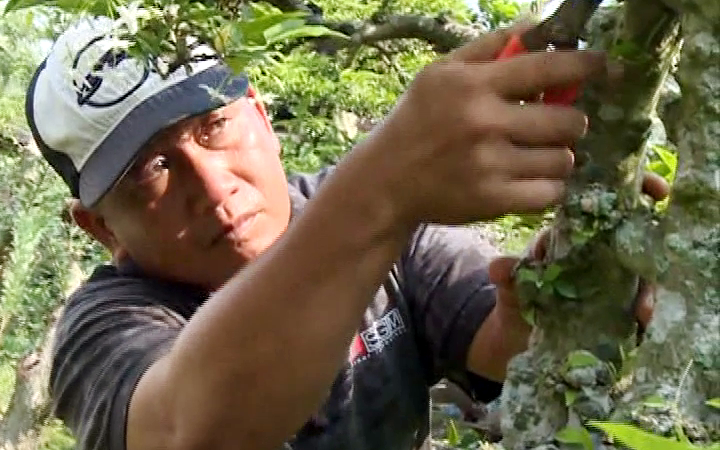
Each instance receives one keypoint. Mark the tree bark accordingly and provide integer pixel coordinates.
(440, 32)
(581, 295)
(30, 402)
(680, 359)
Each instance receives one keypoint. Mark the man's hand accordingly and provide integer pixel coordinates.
(459, 146)
(505, 333)
(501, 269)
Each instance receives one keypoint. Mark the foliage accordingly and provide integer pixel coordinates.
(37, 246)
(166, 31)
(663, 161)
(638, 439)
(498, 13)
(323, 103)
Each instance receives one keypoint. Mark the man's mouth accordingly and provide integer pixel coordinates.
(237, 229)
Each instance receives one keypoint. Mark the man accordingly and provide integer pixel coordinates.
(246, 311)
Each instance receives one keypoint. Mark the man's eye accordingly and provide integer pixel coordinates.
(158, 164)
(212, 130)
(152, 168)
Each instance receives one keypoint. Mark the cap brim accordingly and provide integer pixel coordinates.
(189, 97)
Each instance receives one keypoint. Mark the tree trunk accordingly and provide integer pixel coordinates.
(30, 403)
(581, 296)
(680, 359)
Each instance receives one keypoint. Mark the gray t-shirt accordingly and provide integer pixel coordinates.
(416, 330)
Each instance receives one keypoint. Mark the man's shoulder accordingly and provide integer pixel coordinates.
(307, 184)
(110, 288)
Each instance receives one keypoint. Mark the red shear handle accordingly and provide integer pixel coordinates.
(514, 47)
(556, 96)
(562, 96)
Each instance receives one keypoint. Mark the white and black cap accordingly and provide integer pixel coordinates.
(91, 108)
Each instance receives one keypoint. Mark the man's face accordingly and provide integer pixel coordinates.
(203, 198)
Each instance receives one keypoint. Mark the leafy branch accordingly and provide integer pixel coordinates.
(176, 34)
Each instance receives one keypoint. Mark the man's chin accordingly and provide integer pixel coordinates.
(229, 257)
(230, 261)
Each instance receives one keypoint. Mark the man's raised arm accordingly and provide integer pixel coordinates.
(257, 359)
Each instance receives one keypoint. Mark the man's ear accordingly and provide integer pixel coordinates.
(254, 97)
(93, 223)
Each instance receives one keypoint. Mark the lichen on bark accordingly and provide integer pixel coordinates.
(680, 359)
(582, 293)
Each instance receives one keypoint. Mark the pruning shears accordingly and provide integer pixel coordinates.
(560, 31)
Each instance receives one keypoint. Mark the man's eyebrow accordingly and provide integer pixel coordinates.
(170, 133)
(214, 112)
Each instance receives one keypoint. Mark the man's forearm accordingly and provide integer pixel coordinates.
(502, 335)
(257, 359)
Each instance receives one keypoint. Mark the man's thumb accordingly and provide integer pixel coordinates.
(487, 47)
(501, 269)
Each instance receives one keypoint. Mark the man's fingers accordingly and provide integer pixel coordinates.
(645, 303)
(527, 196)
(538, 247)
(655, 186)
(544, 162)
(533, 124)
(487, 47)
(526, 75)
(501, 269)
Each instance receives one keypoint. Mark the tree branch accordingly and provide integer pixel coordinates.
(290, 5)
(585, 293)
(440, 32)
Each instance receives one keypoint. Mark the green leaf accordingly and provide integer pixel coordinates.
(545, 288)
(581, 358)
(638, 439)
(578, 238)
(453, 437)
(565, 289)
(525, 274)
(666, 163)
(528, 314)
(257, 30)
(266, 24)
(551, 272)
(14, 5)
(303, 32)
(659, 168)
(94, 7)
(575, 435)
(469, 440)
(680, 433)
(655, 401)
(667, 156)
(570, 397)
(714, 402)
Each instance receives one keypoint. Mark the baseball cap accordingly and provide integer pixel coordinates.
(91, 107)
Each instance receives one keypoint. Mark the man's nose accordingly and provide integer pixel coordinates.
(211, 181)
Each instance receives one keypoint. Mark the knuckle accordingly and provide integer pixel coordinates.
(575, 121)
(484, 116)
(547, 64)
(489, 155)
(568, 124)
(426, 76)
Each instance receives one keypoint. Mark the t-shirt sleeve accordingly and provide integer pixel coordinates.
(108, 335)
(445, 277)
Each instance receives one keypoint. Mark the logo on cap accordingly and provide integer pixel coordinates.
(108, 68)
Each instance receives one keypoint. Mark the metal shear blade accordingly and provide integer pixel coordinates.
(563, 28)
